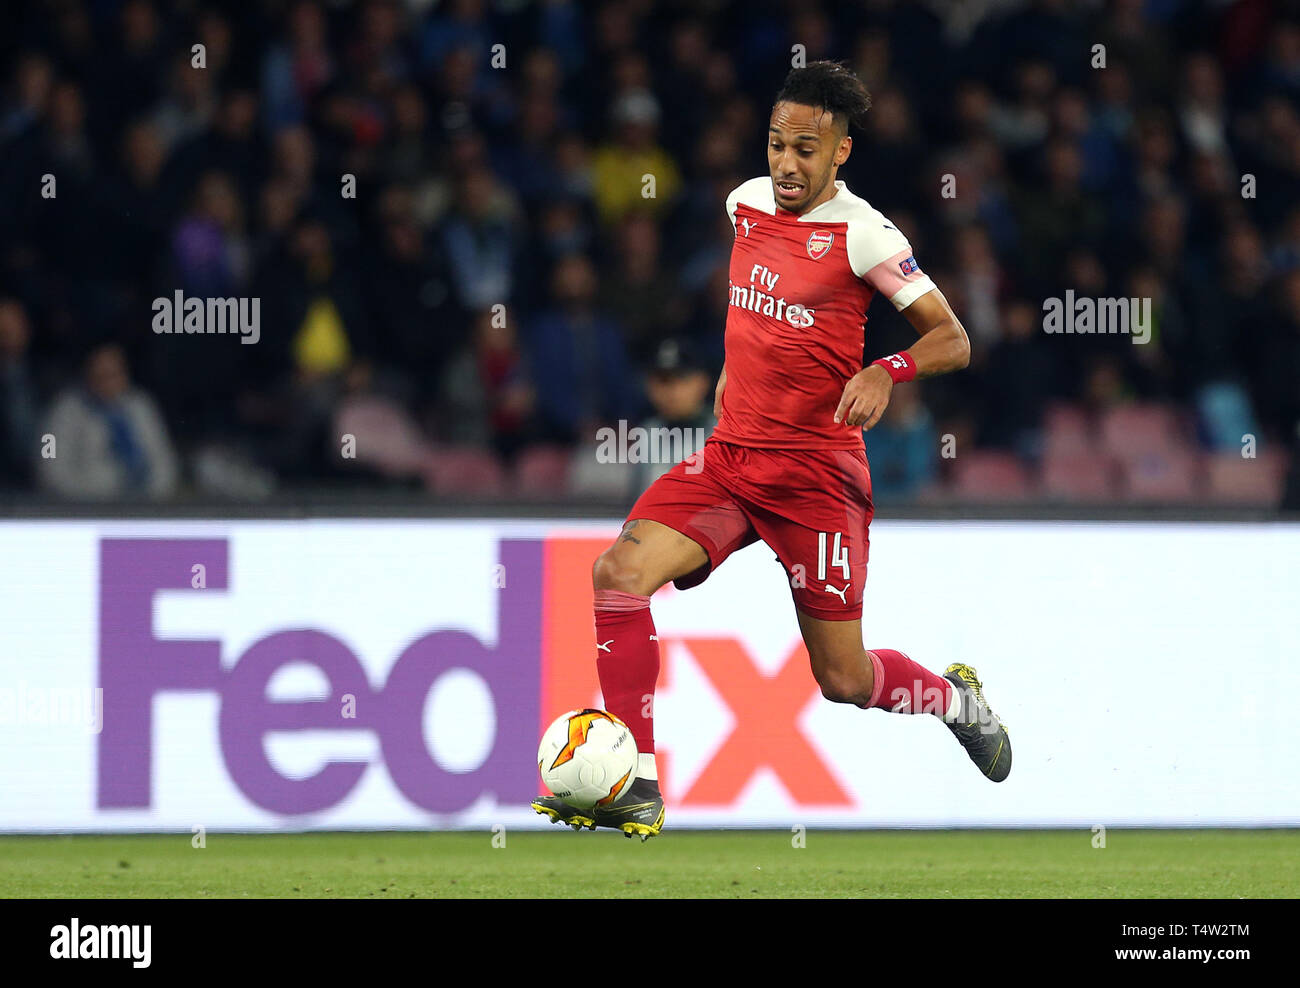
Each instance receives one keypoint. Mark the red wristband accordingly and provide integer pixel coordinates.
(899, 366)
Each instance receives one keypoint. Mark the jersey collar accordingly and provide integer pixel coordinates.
(812, 213)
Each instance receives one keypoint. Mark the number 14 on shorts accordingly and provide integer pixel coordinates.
(839, 554)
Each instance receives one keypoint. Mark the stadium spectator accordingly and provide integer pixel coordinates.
(1202, 112)
(1278, 362)
(209, 249)
(982, 285)
(680, 387)
(409, 154)
(902, 448)
(1020, 375)
(526, 163)
(638, 293)
(294, 71)
(410, 295)
(26, 105)
(1057, 212)
(140, 200)
(481, 241)
(18, 397)
(190, 105)
(486, 394)
(893, 154)
(109, 438)
(135, 63)
(1227, 306)
(623, 168)
(230, 146)
(579, 362)
(1016, 168)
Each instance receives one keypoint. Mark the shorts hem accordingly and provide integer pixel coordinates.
(696, 576)
(830, 613)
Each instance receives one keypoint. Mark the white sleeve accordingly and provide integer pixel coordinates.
(757, 192)
(881, 256)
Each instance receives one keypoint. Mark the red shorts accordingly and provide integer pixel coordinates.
(811, 506)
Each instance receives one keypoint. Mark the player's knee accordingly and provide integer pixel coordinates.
(844, 684)
(614, 570)
(837, 688)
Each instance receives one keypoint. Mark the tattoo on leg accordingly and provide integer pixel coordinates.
(627, 535)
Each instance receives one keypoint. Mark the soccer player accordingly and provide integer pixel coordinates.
(786, 462)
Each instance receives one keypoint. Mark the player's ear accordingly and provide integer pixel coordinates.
(842, 152)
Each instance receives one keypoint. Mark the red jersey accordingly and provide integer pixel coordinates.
(800, 287)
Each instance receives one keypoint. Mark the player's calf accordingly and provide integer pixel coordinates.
(840, 664)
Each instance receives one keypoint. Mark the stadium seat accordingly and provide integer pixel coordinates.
(465, 471)
(387, 439)
(1131, 431)
(1166, 476)
(591, 478)
(1234, 479)
(990, 476)
(1081, 475)
(542, 471)
(1067, 429)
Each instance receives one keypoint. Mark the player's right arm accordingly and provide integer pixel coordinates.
(717, 392)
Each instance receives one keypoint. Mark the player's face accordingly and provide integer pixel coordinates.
(804, 151)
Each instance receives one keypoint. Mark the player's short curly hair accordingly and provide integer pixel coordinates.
(829, 85)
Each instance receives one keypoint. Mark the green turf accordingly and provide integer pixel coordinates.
(729, 864)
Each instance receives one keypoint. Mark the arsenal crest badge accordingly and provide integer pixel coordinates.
(819, 242)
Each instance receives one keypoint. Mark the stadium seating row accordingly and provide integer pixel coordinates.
(1139, 453)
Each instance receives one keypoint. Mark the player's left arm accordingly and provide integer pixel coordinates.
(942, 348)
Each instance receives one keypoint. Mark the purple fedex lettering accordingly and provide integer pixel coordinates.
(247, 716)
(135, 666)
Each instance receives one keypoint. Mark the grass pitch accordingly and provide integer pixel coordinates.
(679, 864)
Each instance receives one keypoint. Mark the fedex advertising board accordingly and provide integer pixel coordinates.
(259, 675)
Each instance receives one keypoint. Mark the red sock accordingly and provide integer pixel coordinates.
(627, 662)
(903, 687)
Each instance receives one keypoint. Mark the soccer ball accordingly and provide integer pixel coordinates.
(587, 758)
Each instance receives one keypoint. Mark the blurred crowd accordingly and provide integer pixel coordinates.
(443, 209)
